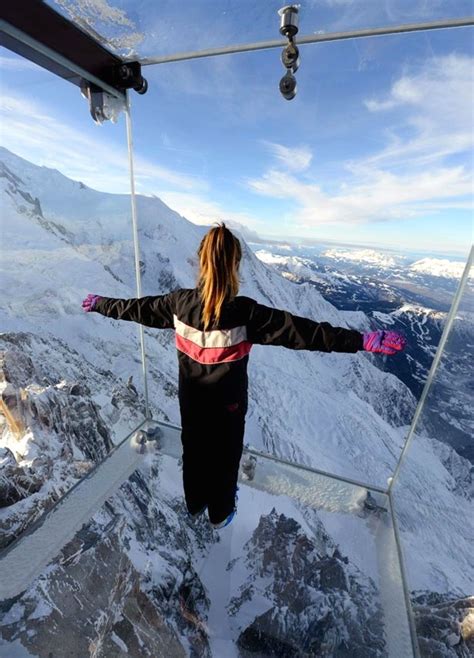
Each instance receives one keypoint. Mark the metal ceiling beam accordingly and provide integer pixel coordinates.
(312, 38)
(24, 45)
(37, 32)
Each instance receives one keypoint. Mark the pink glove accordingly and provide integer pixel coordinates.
(88, 304)
(384, 342)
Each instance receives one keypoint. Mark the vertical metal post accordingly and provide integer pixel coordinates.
(136, 248)
(403, 574)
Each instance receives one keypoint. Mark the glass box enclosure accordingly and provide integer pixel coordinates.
(355, 511)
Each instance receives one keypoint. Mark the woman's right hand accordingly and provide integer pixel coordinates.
(88, 304)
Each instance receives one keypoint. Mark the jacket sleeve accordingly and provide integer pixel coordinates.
(151, 311)
(270, 326)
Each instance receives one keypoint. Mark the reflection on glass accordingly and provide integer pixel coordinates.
(307, 567)
(146, 29)
(71, 383)
(433, 492)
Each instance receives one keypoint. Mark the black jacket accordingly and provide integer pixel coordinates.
(213, 363)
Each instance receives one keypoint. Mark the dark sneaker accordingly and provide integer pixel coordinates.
(222, 524)
(227, 520)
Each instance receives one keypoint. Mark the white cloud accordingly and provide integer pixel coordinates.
(334, 3)
(33, 131)
(404, 91)
(437, 99)
(292, 158)
(200, 210)
(376, 106)
(14, 64)
(408, 178)
(381, 196)
(405, 179)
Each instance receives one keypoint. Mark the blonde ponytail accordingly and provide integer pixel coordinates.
(219, 258)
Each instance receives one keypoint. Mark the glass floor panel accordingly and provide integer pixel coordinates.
(309, 566)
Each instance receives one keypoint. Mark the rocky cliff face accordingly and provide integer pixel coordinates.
(57, 433)
(52, 422)
(319, 603)
(445, 624)
(94, 601)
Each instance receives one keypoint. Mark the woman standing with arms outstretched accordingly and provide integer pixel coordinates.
(215, 330)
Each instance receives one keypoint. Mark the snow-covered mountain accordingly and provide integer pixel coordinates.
(387, 296)
(370, 257)
(72, 387)
(439, 267)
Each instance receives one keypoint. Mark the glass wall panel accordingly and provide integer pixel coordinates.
(144, 28)
(308, 567)
(433, 494)
(353, 204)
(71, 382)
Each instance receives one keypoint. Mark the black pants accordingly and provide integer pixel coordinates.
(212, 438)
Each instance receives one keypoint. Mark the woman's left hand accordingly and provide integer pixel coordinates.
(384, 342)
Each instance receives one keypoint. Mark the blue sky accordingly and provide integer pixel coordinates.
(376, 148)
